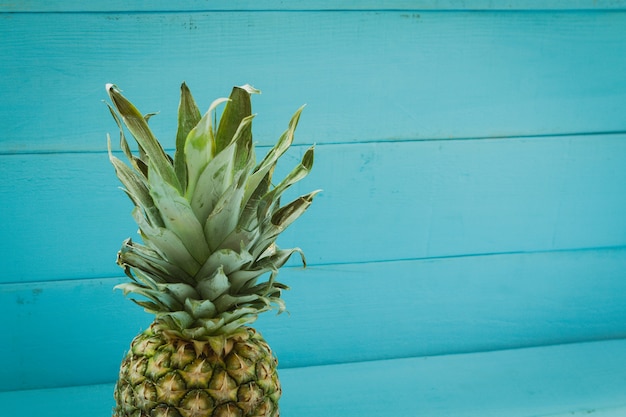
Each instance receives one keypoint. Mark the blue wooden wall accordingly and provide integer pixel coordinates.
(473, 161)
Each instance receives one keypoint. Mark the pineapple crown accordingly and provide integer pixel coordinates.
(208, 218)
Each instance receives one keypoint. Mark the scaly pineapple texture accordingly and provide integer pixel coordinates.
(207, 263)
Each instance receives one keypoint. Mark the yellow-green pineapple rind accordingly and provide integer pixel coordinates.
(231, 376)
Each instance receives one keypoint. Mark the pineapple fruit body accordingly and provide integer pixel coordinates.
(207, 262)
(224, 376)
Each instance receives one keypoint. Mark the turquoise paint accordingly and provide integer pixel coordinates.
(381, 201)
(472, 161)
(342, 313)
(308, 5)
(387, 76)
(512, 383)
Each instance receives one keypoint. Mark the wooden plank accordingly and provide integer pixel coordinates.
(558, 381)
(64, 218)
(518, 383)
(91, 400)
(310, 5)
(338, 313)
(604, 412)
(366, 75)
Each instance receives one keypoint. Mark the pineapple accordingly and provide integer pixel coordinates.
(208, 220)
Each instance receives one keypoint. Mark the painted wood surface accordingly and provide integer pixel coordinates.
(339, 313)
(472, 161)
(381, 201)
(365, 75)
(307, 5)
(558, 381)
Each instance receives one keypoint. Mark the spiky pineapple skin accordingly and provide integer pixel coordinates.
(230, 376)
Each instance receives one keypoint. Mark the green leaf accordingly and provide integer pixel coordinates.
(245, 278)
(212, 287)
(188, 118)
(138, 127)
(224, 218)
(212, 183)
(148, 306)
(299, 172)
(262, 174)
(289, 213)
(139, 165)
(136, 188)
(200, 308)
(270, 263)
(226, 302)
(247, 227)
(238, 318)
(179, 217)
(199, 147)
(167, 243)
(147, 263)
(180, 291)
(278, 258)
(227, 259)
(176, 319)
(283, 217)
(166, 301)
(238, 108)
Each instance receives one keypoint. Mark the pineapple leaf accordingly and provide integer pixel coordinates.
(200, 308)
(136, 188)
(208, 218)
(289, 213)
(212, 183)
(266, 166)
(176, 320)
(299, 172)
(138, 127)
(164, 300)
(147, 261)
(247, 278)
(188, 118)
(214, 286)
(224, 218)
(167, 243)
(226, 302)
(279, 258)
(199, 147)
(139, 165)
(179, 217)
(239, 318)
(230, 260)
(279, 221)
(179, 291)
(148, 306)
(238, 108)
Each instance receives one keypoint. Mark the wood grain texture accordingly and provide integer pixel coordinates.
(340, 313)
(64, 217)
(558, 381)
(366, 75)
(472, 160)
(519, 383)
(309, 5)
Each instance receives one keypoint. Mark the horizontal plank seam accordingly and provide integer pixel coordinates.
(458, 353)
(609, 8)
(484, 254)
(374, 261)
(60, 387)
(381, 141)
(470, 352)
